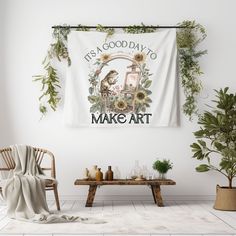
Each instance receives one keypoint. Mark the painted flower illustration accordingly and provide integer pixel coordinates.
(121, 105)
(135, 83)
(140, 57)
(105, 57)
(140, 96)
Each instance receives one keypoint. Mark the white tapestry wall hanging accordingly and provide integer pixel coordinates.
(123, 80)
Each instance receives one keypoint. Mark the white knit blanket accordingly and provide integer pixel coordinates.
(24, 191)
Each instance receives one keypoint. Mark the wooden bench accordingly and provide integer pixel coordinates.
(154, 184)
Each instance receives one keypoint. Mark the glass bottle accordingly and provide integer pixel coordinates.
(109, 174)
(99, 175)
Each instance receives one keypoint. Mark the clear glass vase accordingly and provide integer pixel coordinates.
(162, 175)
(136, 171)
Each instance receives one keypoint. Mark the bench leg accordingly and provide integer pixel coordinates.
(156, 192)
(154, 198)
(91, 195)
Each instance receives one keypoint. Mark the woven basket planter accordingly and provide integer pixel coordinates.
(225, 199)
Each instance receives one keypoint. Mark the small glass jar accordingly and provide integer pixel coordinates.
(162, 175)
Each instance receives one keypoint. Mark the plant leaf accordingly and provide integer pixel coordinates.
(203, 168)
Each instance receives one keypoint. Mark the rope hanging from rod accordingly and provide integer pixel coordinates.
(120, 26)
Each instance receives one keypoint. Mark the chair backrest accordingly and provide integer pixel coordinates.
(40, 154)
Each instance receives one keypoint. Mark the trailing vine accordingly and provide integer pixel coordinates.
(189, 36)
(59, 49)
(49, 80)
(50, 83)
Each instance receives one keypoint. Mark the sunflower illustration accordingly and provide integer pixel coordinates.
(140, 96)
(140, 57)
(121, 105)
(105, 57)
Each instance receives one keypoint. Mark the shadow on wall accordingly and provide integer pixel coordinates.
(6, 134)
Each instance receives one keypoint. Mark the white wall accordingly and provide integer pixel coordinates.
(25, 35)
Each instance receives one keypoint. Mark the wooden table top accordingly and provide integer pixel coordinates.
(125, 182)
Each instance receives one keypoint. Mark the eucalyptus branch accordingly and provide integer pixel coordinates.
(49, 80)
(82, 28)
(50, 83)
(109, 31)
(188, 38)
(59, 49)
(139, 29)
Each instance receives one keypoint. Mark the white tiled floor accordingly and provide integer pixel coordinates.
(228, 218)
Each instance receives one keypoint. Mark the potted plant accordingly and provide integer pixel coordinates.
(216, 144)
(162, 167)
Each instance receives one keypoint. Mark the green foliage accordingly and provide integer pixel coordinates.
(49, 80)
(109, 31)
(82, 28)
(139, 29)
(202, 168)
(50, 84)
(216, 137)
(59, 47)
(162, 166)
(188, 38)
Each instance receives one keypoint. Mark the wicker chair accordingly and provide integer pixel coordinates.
(44, 159)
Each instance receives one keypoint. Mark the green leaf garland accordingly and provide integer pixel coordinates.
(188, 38)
